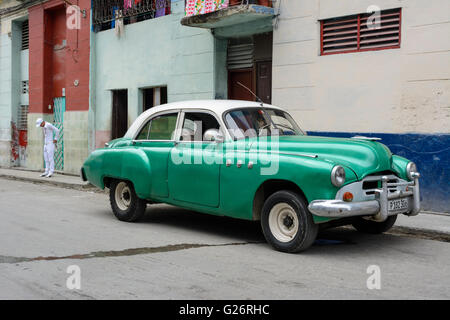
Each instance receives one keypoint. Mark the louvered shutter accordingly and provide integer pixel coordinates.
(240, 56)
(361, 32)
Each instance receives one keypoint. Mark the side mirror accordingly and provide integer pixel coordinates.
(213, 135)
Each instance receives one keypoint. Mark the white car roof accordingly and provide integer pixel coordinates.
(219, 107)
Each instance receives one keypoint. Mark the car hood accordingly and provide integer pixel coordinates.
(362, 156)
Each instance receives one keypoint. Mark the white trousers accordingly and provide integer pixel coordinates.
(49, 152)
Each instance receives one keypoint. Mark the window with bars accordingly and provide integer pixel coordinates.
(22, 118)
(361, 32)
(25, 35)
(106, 13)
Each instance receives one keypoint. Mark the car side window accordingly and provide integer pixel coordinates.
(143, 135)
(195, 125)
(159, 128)
(163, 127)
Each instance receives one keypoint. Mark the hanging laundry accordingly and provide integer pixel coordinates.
(113, 21)
(118, 28)
(126, 5)
(220, 4)
(160, 8)
(196, 7)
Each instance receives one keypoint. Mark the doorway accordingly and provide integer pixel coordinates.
(59, 107)
(249, 62)
(264, 81)
(119, 113)
(236, 91)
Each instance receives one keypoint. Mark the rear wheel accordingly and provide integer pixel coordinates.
(373, 227)
(125, 204)
(287, 224)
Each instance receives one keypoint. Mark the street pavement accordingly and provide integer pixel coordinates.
(178, 254)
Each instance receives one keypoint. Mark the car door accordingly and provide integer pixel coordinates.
(194, 164)
(156, 140)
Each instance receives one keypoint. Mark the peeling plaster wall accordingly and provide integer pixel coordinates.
(75, 140)
(402, 95)
(150, 53)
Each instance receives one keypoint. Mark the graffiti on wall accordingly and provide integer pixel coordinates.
(14, 144)
(19, 142)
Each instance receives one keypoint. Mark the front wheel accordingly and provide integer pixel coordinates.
(125, 204)
(287, 224)
(373, 227)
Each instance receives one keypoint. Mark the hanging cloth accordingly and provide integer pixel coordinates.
(118, 27)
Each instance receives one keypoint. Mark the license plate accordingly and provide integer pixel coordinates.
(398, 204)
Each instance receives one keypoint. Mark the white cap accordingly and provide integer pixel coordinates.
(38, 122)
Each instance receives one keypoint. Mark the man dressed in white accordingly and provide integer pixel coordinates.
(49, 145)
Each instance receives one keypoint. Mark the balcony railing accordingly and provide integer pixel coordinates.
(106, 12)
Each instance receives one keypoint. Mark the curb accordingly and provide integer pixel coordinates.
(424, 233)
(67, 185)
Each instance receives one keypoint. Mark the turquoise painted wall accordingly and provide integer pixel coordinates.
(151, 53)
(9, 85)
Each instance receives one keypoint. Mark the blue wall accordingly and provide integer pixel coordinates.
(430, 152)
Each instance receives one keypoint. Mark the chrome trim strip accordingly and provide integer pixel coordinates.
(341, 209)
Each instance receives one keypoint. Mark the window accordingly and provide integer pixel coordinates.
(159, 128)
(25, 36)
(22, 119)
(362, 32)
(244, 123)
(195, 125)
(24, 87)
(152, 97)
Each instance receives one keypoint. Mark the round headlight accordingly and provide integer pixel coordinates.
(338, 176)
(410, 168)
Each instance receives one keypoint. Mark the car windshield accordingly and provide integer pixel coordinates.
(254, 122)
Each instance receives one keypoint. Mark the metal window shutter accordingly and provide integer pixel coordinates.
(355, 33)
(240, 56)
(22, 117)
(25, 35)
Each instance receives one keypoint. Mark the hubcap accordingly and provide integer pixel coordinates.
(123, 196)
(283, 222)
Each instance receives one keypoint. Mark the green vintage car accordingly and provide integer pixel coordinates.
(252, 161)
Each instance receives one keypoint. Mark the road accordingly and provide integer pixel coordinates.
(177, 254)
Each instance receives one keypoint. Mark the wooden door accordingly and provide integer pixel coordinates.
(237, 92)
(264, 81)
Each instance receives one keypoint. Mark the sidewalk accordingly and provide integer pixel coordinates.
(58, 179)
(436, 223)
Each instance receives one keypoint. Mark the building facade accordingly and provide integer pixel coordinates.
(341, 68)
(339, 77)
(44, 63)
(59, 80)
(336, 74)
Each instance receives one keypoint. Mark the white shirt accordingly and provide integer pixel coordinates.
(48, 130)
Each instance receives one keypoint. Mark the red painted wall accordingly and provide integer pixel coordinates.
(54, 66)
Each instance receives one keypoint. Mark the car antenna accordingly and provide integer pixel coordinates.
(257, 98)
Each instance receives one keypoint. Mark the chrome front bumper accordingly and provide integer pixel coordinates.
(378, 209)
